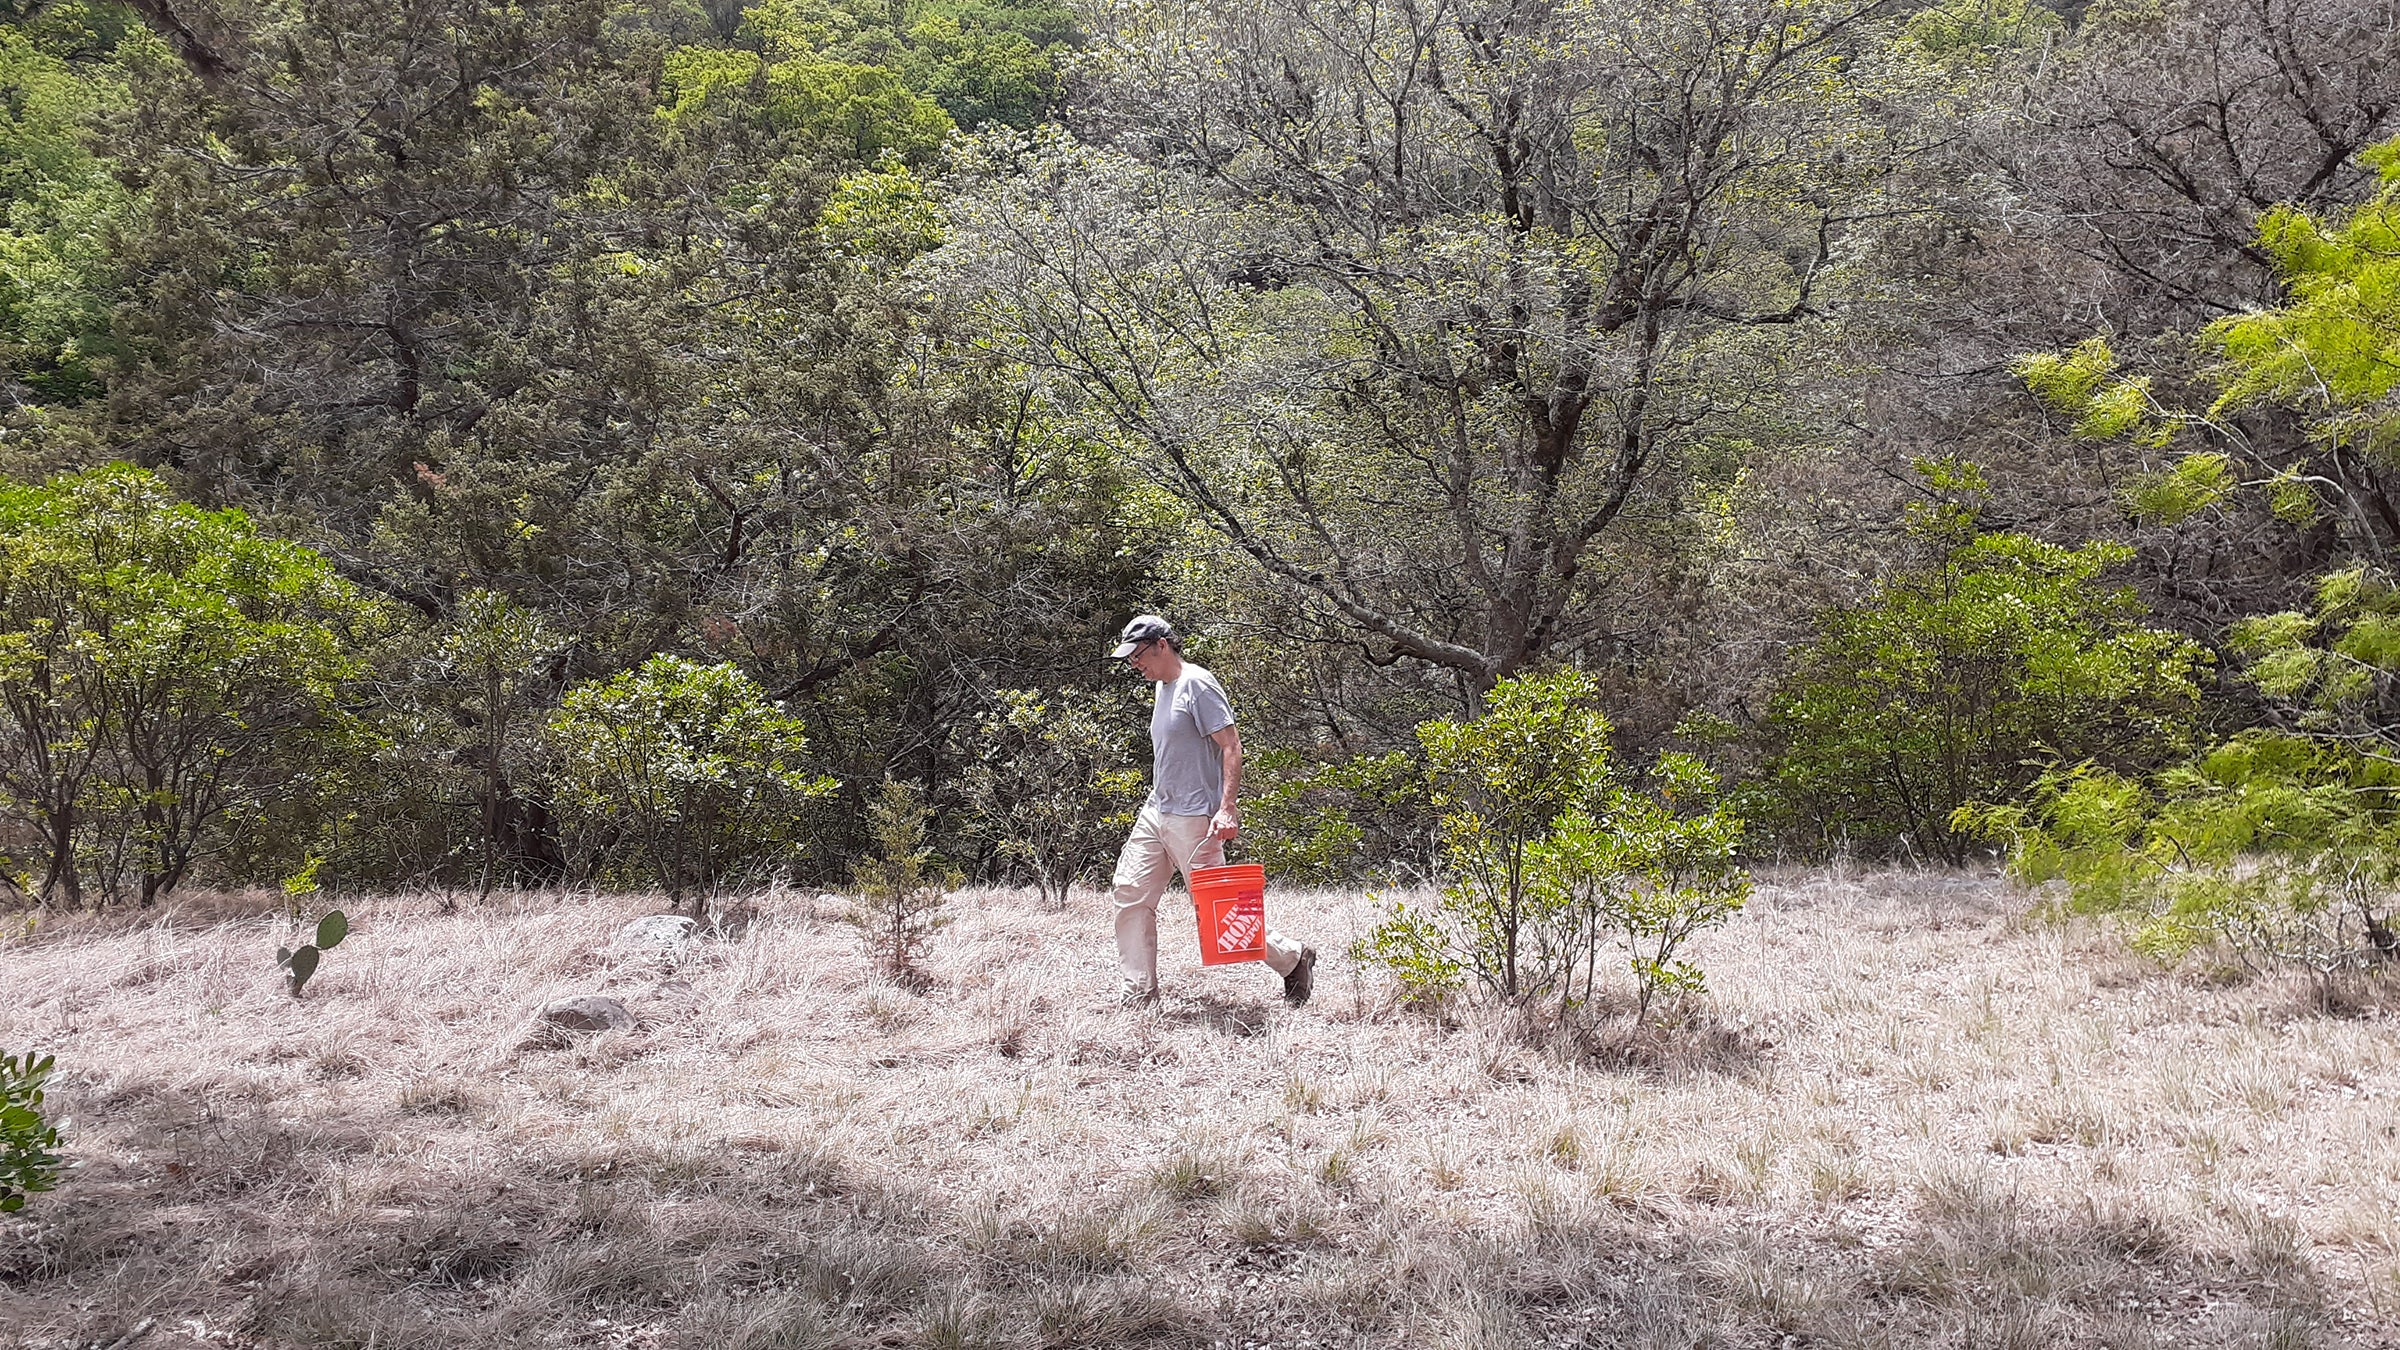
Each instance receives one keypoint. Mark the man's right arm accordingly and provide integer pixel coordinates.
(1228, 820)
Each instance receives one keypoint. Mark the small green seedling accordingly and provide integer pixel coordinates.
(301, 963)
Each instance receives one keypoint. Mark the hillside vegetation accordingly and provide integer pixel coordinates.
(651, 425)
(474, 473)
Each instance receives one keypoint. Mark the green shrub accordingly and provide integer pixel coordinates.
(1962, 683)
(1555, 864)
(681, 773)
(2285, 844)
(901, 892)
(28, 1166)
(1054, 781)
(1660, 866)
(1502, 781)
(490, 652)
(2284, 841)
(2285, 849)
(1318, 823)
(169, 682)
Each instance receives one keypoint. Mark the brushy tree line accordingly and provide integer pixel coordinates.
(608, 439)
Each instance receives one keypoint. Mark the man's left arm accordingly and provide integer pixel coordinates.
(1228, 821)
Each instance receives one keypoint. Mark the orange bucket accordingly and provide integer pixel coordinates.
(1231, 905)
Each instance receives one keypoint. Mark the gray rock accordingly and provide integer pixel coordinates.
(585, 1012)
(656, 931)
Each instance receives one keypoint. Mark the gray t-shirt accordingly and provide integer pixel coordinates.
(1187, 775)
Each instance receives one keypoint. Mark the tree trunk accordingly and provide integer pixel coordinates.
(63, 875)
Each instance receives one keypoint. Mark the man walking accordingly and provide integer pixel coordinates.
(1196, 772)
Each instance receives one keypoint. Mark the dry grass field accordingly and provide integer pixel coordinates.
(1904, 1117)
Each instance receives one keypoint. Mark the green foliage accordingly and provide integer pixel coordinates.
(2329, 348)
(681, 773)
(2191, 485)
(2283, 843)
(865, 82)
(300, 963)
(2084, 386)
(62, 211)
(2285, 848)
(1554, 861)
(28, 1164)
(1973, 32)
(885, 214)
(169, 680)
(585, 333)
(1669, 869)
(1420, 947)
(1651, 868)
(1053, 779)
(649, 366)
(493, 646)
(1427, 447)
(2280, 842)
(860, 112)
(981, 62)
(1311, 822)
(1961, 683)
(2336, 667)
(901, 892)
(981, 73)
(1540, 751)
(2327, 352)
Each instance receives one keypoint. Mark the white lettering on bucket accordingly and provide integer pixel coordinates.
(1239, 932)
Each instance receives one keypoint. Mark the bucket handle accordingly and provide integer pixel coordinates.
(1194, 855)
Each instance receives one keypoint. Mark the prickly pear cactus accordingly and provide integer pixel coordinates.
(301, 962)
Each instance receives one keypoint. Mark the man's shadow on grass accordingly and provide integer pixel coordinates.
(1225, 1016)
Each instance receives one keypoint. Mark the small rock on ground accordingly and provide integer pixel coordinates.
(560, 1019)
(657, 930)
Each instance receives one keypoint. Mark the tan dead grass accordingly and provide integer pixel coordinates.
(1907, 1117)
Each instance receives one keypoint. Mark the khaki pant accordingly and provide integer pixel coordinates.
(1160, 846)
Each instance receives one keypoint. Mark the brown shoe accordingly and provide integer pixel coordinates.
(1302, 981)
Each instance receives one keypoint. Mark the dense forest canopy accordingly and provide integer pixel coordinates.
(1770, 361)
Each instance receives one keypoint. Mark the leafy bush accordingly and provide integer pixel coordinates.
(1660, 867)
(2287, 850)
(27, 1164)
(1054, 780)
(450, 787)
(168, 680)
(681, 773)
(1963, 682)
(1554, 861)
(1317, 822)
(2284, 844)
(901, 893)
(2323, 353)
(1502, 781)
(493, 646)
